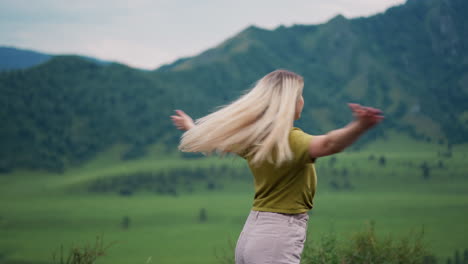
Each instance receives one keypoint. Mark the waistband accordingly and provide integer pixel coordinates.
(300, 219)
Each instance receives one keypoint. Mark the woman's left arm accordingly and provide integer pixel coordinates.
(337, 140)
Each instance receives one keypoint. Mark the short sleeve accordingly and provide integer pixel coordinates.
(299, 141)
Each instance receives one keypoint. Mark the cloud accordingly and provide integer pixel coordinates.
(148, 33)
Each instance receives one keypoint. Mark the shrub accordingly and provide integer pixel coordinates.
(365, 247)
(125, 223)
(382, 161)
(202, 216)
(226, 255)
(326, 252)
(82, 255)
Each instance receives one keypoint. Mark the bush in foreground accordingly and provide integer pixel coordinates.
(81, 255)
(364, 247)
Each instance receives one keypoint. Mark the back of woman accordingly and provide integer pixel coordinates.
(259, 127)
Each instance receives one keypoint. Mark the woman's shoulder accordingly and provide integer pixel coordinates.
(299, 142)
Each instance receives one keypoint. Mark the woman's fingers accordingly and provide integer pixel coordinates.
(364, 109)
(354, 106)
(176, 119)
(368, 115)
(181, 120)
(374, 110)
(181, 113)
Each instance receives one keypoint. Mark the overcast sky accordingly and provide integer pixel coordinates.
(149, 33)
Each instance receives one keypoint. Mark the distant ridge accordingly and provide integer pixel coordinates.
(13, 58)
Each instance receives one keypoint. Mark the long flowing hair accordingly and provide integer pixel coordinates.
(257, 124)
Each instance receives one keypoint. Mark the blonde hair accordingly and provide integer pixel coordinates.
(258, 123)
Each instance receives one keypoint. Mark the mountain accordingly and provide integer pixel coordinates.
(411, 61)
(13, 58)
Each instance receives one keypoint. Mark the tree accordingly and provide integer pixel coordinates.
(202, 216)
(382, 161)
(125, 224)
(426, 171)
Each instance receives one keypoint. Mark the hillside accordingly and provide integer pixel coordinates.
(411, 61)
(13, 58)
(17, 59)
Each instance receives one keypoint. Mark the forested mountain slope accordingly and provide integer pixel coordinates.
(411, 61)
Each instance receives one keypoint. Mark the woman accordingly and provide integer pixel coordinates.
(259, 127)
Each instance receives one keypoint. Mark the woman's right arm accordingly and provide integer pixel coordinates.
(337, 140)
(182, 121)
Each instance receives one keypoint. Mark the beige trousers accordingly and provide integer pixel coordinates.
(272, 238)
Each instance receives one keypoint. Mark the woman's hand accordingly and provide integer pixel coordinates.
(367, 117)
(337, 140)
(182, 121)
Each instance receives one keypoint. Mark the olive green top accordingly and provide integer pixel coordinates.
(290, 187)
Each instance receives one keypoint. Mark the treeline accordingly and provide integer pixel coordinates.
(334, 175)
(172, 182)
(339, 176)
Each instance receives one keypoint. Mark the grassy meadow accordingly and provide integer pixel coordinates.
(401, 184)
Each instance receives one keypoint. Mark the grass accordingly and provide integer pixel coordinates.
(167, 229)
(41, 211)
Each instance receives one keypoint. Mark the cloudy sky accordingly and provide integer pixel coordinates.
(149, 33)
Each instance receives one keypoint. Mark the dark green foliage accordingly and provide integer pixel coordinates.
(136, 151)
(340, 180)
(441, 164)
(67, 110)
(81, 254)
(458, 258)
(125, 223)
(202, 217)
(169, 182)
(382, 161)
(210, 185)
(365, 247)
(409, 61)
(334, 185)
(191, 155)
(225, 255)
(326, 252)
(125, 191)
(426, 170)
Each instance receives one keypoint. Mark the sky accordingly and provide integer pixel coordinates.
(149, 33)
